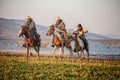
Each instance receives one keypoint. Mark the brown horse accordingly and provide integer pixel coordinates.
(23, 31)
(79, 46)
(57, 42)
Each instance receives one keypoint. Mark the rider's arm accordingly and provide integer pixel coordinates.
(33, 25)
(75, 30)
(59, 30)
(62, 26)
(84, 30)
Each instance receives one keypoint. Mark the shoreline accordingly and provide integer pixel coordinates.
(22, 53)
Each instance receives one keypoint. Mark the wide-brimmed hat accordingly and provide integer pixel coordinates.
(28, 18)
(58, 18)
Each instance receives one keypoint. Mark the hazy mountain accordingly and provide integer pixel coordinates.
(96, 36)
(113, 36)
(93, 35)
(10, 27)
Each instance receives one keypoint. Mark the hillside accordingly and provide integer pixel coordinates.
(9, 29)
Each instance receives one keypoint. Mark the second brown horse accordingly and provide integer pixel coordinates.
(58, 43)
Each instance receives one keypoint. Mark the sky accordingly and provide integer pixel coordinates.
(97, 16)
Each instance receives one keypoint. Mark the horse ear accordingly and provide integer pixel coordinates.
(52, 25)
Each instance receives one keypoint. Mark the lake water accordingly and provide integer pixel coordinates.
(95, 47)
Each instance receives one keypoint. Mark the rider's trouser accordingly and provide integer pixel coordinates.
(84, 41)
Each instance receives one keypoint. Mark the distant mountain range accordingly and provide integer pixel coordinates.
(10, 27)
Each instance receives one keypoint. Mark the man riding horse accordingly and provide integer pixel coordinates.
(34, 36)
(60, 29)
(81, 34)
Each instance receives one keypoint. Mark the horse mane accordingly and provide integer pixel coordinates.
(52, 26)
(24, 27)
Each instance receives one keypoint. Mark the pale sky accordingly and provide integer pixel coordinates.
(98, 16)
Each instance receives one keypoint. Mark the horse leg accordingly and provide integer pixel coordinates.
(53, 51)
(27, 51)
(87, 49)
(31, 52)
(81, 54)
(83, 57)
(78, 55)
(37, 50)
(87, 54)
(61, 52)
(70, 52)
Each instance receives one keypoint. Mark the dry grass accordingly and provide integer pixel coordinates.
(16, 67)
(44, 43)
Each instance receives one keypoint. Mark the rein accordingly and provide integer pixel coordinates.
(26, 34)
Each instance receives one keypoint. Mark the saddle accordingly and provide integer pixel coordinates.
(35, 38)
(56, 41)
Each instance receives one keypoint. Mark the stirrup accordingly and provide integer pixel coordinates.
(24, 45)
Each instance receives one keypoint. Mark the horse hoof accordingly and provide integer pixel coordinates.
(52, 45)
(75, 50)
(31, 54)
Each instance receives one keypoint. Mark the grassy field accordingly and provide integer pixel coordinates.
(49, 68)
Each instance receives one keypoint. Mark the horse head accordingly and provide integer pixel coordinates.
(74, 35)
(50, 31)
(22, 30)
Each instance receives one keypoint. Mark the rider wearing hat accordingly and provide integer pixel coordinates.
(30, 23)
(81, 33)
(60, 24)
(32, 28)
(80, 30)
(60, 28)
